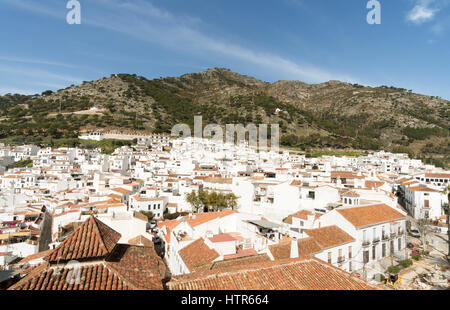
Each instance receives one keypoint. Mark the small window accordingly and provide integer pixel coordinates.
(329, 257)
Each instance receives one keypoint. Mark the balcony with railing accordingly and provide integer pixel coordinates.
(376, 240)
(341, 259)
(385, 237)
(366, 243)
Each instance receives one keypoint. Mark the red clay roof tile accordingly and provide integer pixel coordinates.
(92, 239)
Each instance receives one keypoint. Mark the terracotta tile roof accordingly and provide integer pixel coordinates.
(92, 239)
(329, 236)
(296, 183)
(169, 225)
(373, 184)
(437, 175)
(128, 267)
(422, 189)
(345, 175)
(241, 253)
(141, 240)
(350, 194)
(309, 274)
(94, 277)
(140, 216)
(306, 248)
(139, 266)
(137, 198)
(171, 180)
(111, 205)
(234, 264)
(115, 196)
(34, 256)
(111, 266)
(370, 215)
(303, 214)
(197, 253)
(222, 238)
(218, 180)
(121, 190)
(409, 182)
(201, 218)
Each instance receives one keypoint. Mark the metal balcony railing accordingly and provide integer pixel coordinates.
(366, 243)
(376, 240)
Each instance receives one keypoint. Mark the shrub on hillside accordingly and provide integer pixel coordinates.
(417, 257)
(405, 263)
(393, 269)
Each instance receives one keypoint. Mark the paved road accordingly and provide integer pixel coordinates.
(438, 241)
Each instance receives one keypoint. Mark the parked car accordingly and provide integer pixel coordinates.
(413, 231)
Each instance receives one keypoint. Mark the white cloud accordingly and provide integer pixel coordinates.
(37, 7)
(422, 12)
(35, 61)
(142, 20)
(12, 90)
(437, 29)
(38, 74)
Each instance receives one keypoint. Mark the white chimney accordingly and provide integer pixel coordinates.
(294, 249)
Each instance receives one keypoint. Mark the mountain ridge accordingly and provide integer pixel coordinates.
(332, 114)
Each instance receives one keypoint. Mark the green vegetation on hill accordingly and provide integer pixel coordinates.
(108, 146)
(21, 164)
(331, 115)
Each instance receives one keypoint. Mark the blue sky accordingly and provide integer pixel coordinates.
(309, 40)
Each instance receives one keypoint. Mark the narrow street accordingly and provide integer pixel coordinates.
(46, 233)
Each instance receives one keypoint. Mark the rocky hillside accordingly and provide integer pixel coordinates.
(328, 115)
